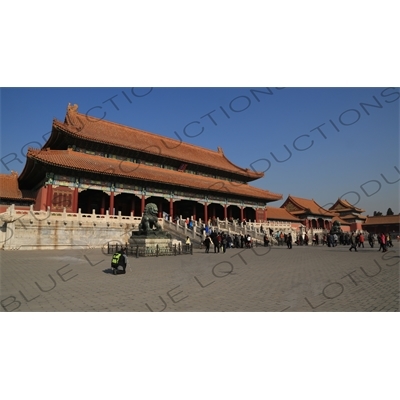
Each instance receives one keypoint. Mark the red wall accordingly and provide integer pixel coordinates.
(40, 203)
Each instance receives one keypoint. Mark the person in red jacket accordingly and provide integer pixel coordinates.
(361, 240)
(382, 242)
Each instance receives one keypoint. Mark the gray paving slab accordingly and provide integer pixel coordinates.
(309, 279)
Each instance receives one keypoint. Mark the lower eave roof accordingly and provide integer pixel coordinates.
(342, 222)
(9, 189)
(353, 216)
(73, 160)
(280, 214)
(382, 220)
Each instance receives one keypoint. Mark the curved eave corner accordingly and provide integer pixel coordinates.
(252, 175)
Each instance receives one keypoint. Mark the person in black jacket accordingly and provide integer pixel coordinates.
(119, 262)
(289, 241)
(207, 243)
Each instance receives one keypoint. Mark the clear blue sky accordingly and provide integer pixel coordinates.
(259, 127)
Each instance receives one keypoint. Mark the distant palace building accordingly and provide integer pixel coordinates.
(349, 214)
(98, 165)
(383, 223)
(311, 214)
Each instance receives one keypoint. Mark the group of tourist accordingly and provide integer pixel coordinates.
(352, 239)
(281, 239)
(222, 241)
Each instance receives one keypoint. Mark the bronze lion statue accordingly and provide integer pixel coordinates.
(336, 228)
(149, 223)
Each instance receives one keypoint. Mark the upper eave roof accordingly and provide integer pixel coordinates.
(345, 206)
(110, 133)
(108, 166)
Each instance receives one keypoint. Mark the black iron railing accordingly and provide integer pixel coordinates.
(151, 251)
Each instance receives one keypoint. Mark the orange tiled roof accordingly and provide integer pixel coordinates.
(9, 188)
(345, 205)
(382, 220)
(342, 222)
(280, 214)
(354, 216)
(101, 131)
(108, 166)
(306, 205)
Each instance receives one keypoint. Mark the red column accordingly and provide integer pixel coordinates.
(265, 215)
(194, 212)
(116, 203)
(205, 213)
(75, 200)
(230, 212)
(112, 203)
(103, 204)
(142, 204)
(171, 208)
(160, 210)
(49, 196)
(241, 214)
(133, 205)
(225, 212)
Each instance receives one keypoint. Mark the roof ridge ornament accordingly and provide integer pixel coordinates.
(71, 118)
(72, 107)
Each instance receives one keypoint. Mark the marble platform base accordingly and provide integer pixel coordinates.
(150, 242)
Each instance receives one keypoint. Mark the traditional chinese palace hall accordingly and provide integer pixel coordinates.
(99, 165)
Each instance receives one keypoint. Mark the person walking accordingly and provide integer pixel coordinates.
(371, 240)
(207, 242)
(289, 241)
(223, 242)
(382, 242)
(216, 244)
(353, 242)
(361, 240)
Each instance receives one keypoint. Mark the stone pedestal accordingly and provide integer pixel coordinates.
(143, 241)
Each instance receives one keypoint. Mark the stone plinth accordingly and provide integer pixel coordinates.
(143, 241)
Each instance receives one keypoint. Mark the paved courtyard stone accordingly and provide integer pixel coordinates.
(306, 278)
